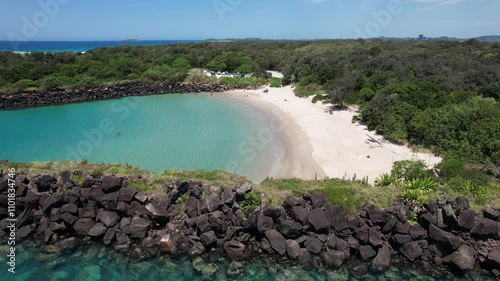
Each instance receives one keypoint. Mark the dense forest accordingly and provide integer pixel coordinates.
(441, 95)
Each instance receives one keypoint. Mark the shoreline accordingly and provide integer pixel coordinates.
(332, 136)
(296, 160)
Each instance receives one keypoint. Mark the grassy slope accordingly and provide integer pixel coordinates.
(351, 195)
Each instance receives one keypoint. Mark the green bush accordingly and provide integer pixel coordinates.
(275, 83)
(450, 168)
(418, 190)
(408, 170)
(387, 180)
(342, 196)
(252, 201)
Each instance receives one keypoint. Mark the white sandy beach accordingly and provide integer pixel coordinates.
(339, 147)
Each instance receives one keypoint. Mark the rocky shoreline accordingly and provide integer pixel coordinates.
(29, 99)
(192, 219)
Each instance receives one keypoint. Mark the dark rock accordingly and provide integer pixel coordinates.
(183, 187)
(227, 196)
(401, 239)
(266, 246)
(278, 242)
(168, 244)
(21, 190)
(69, 218)
(487, 228)
(289, 203)
(375, 237)
(127, 194)
(492, 214)
(122, 238)
(272, 211)
(109, 236)
(467, 219)
(68, 244)
(333, 259)
(4, 183)
(383, 259)
(83, 226)
(445, 239)
(417, 232)
(450, 219)
(313, 245)
(196, 191)
(97, 231)
(108, 218)
(412, 251)
(208, 238)
(432, 206)
(377, 216)
(461, 203)
(318, 199)
(54, 201)
(137, 254)
(463, 258)
(88, 211)
(156, 211)
(366, 252)
(290, 229)
(292, 249)
(234, 249)
(264, 223)
(96, 194)
(427, 219)
(69, 208)
(110, 201)
(493, 261)
(24, 231)
(192, 207)
(317, 220)
(389, 225)
(44, 182)
(88, 182)
(353, 243)
(111, 183)
(331, 241)
(244, 189)
(138, 227)
(125, 225)
(142, 197)
(214, 203)
(299, 213)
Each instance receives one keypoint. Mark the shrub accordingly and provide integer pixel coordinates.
(387, 180)
(451, 168)
(418, 191)
(275, 83)
(252, 201)
(344, 197)
(408, 170)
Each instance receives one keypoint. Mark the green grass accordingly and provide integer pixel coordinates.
(276, 82)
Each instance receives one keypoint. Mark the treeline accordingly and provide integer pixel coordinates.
(441, 95)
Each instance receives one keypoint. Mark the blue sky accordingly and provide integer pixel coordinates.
(270, 19)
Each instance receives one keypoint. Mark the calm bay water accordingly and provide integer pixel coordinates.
(77, 46)
(194, 132)
(96, 262)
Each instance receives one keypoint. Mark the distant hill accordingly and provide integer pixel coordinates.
(131, 40)
(489, 38)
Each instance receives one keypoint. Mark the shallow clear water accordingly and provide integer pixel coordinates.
(96, 262)
(155, 133)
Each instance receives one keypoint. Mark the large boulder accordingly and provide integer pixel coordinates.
(208, 238)
(108, 218)
(110, 201)
(318, 199)
(299, 213)
(264, 223)
(156, 211)
(412, 250)
(493, 260)
(487, 228)
(383, 259)
(97, 231)
(492, 214)
(333, 259)
(111, 183)
(139, 227)
(127, 194)
(44, 182)
(375, 237)
(234, 249)
(292, 249)
(377, 216)
(317, 220)
(313, 245)
(445, 239)
(290, 229)
(463, 259)
(68, 244)
(366, 252)
(466, 219)
(83, 225)
(278, 242)
(168, 244)
(214, 203)
(244, 189)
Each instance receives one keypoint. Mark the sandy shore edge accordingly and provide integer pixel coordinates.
(323, 144)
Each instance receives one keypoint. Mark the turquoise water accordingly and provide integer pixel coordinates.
(155, 133)
(93, 263)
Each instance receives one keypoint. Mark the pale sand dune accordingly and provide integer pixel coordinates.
(338, 146)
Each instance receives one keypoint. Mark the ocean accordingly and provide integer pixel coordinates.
(77, 46)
